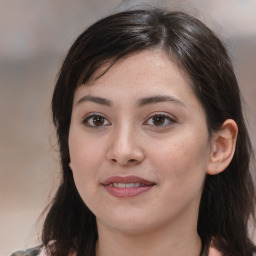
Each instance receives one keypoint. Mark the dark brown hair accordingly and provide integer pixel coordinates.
(228, 198)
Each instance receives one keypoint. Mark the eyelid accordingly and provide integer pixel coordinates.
(169, 117)
(90, 115)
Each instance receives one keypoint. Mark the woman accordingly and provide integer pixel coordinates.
(154, 149)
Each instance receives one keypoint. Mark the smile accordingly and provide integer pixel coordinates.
(126, 185)
(129, 186)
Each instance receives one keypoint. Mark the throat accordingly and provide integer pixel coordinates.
(147, 244)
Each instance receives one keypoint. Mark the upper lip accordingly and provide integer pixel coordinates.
(127, 179)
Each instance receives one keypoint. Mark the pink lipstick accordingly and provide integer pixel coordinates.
(128, 186)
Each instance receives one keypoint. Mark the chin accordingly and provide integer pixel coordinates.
(129, 223)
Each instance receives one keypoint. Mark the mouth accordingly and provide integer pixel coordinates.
(129, 186)
(126, 185)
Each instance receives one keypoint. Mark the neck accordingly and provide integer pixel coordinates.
(164, 242)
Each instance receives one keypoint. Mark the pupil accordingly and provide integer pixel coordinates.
(98, 120)
(158, 120)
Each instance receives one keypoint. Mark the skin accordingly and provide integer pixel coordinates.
(176, 155)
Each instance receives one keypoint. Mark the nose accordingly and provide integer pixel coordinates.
(125, 148)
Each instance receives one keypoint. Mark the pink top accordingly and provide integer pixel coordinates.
(212, 252)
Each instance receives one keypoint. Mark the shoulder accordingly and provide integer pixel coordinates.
(214, 252)
(37, 251)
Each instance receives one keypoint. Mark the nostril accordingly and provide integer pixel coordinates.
(131, 161)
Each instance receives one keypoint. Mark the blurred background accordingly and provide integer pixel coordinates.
(34, 37)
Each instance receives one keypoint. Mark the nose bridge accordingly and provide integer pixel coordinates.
(125, 145)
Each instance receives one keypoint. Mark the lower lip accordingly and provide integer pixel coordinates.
(127, 192)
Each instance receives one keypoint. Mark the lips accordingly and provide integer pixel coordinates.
(128, 186)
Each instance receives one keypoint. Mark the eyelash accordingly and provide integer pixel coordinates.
(86, 121)
(166, 120)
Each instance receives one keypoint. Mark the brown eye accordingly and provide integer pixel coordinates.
(160, 120)
(96, 121)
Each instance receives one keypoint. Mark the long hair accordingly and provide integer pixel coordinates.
(228, 198)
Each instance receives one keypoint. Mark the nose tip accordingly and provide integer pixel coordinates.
(125, 150)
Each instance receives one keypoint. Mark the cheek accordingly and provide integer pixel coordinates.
(86, 158)
(182, 161)
(85, 152)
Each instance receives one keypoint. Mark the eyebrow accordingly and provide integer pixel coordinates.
(157, 99)
(95, 99)
(141, 102)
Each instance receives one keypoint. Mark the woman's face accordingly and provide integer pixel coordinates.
(139, 145)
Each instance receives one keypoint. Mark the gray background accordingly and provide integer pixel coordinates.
(34, 36)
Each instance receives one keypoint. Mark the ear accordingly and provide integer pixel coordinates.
(222, 147)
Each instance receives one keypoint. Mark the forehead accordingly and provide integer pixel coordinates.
(136, 79)
(148, 71)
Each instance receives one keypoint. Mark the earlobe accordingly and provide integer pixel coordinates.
(223, 147)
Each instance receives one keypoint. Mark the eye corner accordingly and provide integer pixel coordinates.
(160, 120)
(95, 120)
